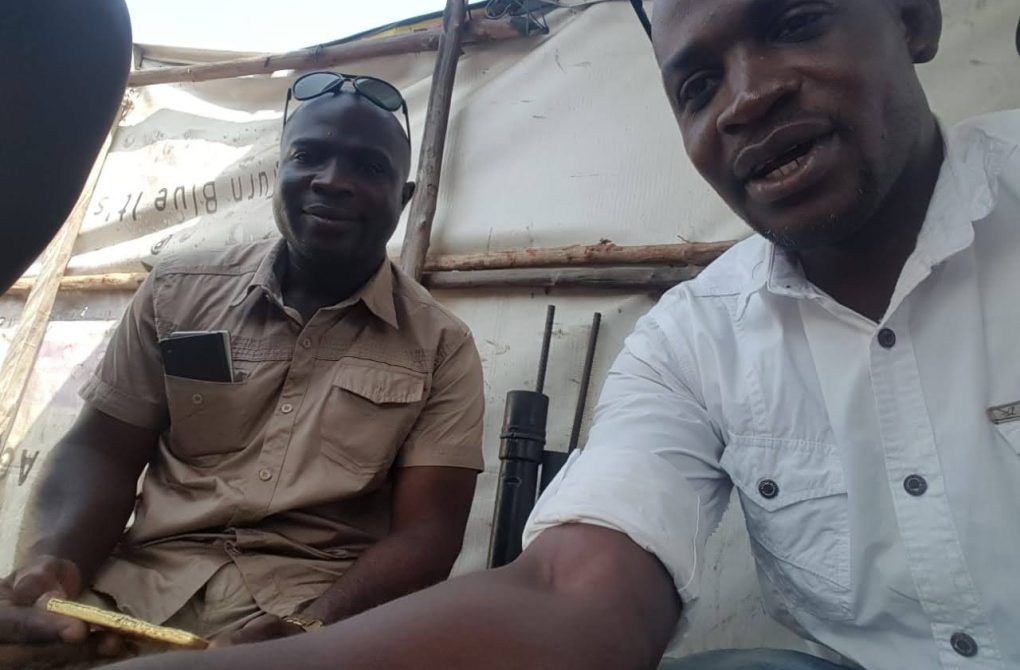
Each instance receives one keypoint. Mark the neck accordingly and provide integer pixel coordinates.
(308, 286)
(862, 272)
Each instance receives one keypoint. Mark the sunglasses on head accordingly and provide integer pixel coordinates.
(380, 93)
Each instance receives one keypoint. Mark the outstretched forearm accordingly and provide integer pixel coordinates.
(600, 611)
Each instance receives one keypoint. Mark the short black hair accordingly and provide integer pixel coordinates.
(355, 98)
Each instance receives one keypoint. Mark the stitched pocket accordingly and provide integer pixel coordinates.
(208, 418)
(369, 412)
(796, 507)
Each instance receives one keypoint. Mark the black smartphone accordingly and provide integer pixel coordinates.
(200, 355)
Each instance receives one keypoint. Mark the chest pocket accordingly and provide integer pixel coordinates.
(368, 413)
(209, 419)
(797, 511)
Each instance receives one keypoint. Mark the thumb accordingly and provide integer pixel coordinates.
(69, 629)
(50, 576)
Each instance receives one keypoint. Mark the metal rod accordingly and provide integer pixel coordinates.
(543, 357)
(582, 393)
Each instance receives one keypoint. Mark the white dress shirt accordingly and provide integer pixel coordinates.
(881, 492)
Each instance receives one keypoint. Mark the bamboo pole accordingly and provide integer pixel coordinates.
(640, 279)
(604, 253)
(695, 254)
(430, 161)
(651, 277)
(35, 316)
(115, 281)
(323, 57)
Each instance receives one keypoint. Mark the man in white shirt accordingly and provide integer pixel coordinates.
(853, 370)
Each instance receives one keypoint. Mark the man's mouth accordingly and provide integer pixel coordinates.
(785, 164)
(330, 214)
(790, 159)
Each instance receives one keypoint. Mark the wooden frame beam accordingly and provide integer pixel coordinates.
(574, 265)
(35, 316)
(475, 32)
(433, 143)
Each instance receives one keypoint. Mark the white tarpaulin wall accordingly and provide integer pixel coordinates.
(556, 140)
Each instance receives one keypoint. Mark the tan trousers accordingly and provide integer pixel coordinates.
(223, 606)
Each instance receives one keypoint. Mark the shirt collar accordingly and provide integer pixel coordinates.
(966, 192)
(376, 294)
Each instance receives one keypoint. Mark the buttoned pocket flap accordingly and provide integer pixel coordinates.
(380, 383)
(1010, 431)
(774, 474)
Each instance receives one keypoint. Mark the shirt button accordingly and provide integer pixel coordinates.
(286, 408)
(887, 338)
(197, 399)
(768, 489)
(964, 644)
(265, 475)
(916, 485)
(306, 343)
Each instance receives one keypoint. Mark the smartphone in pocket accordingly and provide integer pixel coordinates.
(200, 355)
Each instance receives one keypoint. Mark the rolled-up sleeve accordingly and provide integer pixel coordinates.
(128, 384)
(650, 468)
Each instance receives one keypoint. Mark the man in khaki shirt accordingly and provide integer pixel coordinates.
(334, 473)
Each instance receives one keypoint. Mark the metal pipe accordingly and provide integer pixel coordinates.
(582, 394)
(543, 357)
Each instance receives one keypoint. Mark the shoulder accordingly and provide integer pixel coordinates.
(1002, 128)
(233, 261)
(719, 290)
(416, 305)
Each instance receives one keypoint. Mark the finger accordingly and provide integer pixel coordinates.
(111, 645)
(43, 655)
(19, 625)
(70, 629)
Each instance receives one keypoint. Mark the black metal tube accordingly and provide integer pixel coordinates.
(543, 357)
(582, 393)
(522, 443)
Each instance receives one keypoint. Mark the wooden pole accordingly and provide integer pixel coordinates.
(35, 316)
(323, 57)
(430, 160)
(595, 277)
(114, 281)
(641, 279)
(604, 253)
(695, 254)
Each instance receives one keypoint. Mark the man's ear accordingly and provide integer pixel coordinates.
(922, 24)
(408, 193)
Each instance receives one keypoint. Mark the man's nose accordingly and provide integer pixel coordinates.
(333, 178)
(756, 85)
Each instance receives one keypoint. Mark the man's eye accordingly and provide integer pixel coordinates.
(798, 25)
(697, 91)
(373, 169)
(300, 157)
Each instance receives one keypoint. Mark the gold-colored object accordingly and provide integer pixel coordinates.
(306, 623)
(126, 625)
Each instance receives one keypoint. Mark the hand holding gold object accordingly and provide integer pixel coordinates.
(126, 625)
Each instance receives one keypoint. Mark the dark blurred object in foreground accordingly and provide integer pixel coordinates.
(64, 67)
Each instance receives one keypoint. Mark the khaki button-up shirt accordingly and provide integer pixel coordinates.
(284, 471)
